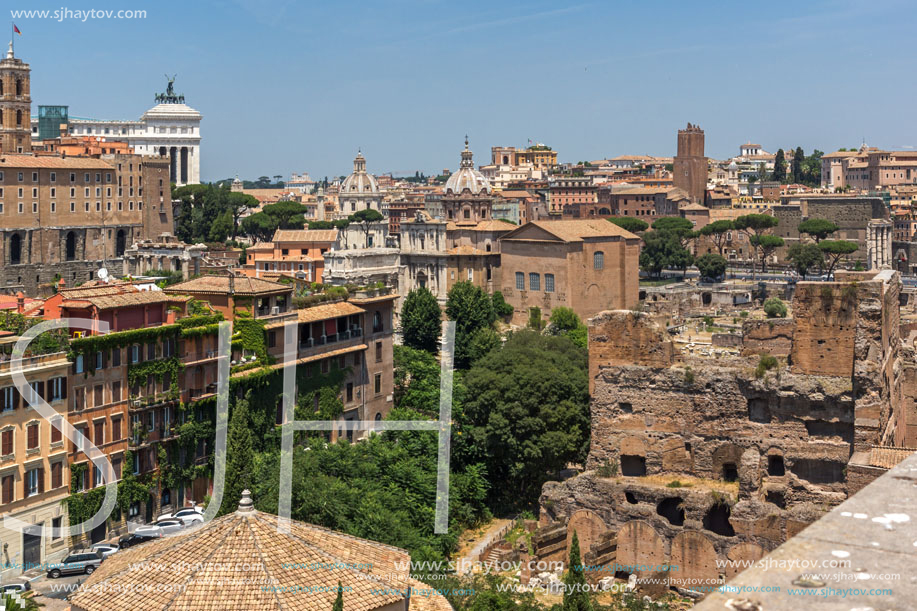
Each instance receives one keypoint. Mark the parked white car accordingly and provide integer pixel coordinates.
(148, 530)
(170, 525)
(189, 515)
(107, 549)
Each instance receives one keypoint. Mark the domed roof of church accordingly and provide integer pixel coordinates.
(359, 182)
(243, 560)
(467, 177)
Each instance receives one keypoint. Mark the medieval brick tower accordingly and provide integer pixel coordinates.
(690, 165)
(15, 105)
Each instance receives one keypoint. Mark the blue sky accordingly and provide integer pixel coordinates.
(292, 86)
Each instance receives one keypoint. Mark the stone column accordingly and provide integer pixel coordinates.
(879, 244)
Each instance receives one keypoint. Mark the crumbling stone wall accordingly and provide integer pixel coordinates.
(785, 437)
(773, 337)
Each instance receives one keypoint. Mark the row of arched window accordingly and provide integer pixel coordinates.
(18, 87)
(69, 246)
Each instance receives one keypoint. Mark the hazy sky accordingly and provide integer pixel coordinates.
(299, 86)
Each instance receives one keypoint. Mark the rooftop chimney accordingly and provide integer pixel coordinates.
(20, 302)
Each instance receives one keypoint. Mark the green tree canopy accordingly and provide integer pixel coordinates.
(576, 592)
(564, 321)
(629, 223)
(661, 250)
(780, 166)
(675, 224)
(835, 250)
(209, 212)
(501, 307)
(287, 215)
(240, 460)
(775, 308)
(718, 233)
(755, 225)
(796, 167)
(711, 266)
(421, 320)
(471, 308)
(339, 601)
(366, 216)
(526, 413)
(819, 229)
(767, 244)
(259, 227)
(805, 257)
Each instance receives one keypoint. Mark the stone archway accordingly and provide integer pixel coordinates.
(588, 527)
(641, 551)
(695, 557)
(742, 556)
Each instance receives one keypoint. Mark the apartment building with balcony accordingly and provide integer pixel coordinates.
(34, 471)
(232, 295)
(128, 388)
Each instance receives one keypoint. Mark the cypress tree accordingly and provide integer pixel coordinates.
(239, 457)
(339, 601)
(576, 596)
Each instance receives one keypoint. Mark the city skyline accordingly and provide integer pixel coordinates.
(287, 88)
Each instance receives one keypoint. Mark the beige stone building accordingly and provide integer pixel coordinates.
(65, 217)
(586, 265)
(34, 470)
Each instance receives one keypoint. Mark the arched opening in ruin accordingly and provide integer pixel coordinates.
(627, 408)
(630, 498)
(673, 510)
(15, 249)
(717, 520)
(776, 497)
(641, 296)
(633, 466)
(706, 298)
(70, 246)
(730, 472)
(119, 243)
(775, 465)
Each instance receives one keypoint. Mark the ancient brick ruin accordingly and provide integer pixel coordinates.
(697, 459)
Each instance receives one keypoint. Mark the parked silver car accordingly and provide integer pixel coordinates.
(77, 562)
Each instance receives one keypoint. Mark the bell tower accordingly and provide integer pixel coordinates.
(15, 105)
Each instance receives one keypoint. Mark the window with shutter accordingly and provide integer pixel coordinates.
(98, 435)
(7, 489)
(57, 474)
(32, 436)
(56, 435)
(116, 429)
(7, 443)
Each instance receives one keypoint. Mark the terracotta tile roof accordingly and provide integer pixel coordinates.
(243, 285)
(243, 561)
(305, 235)
(328, 310)
(507, 194)
(307, 359)
(376, 299)
(576, 231)
(64, 163)
(888, 457)
(107, 302)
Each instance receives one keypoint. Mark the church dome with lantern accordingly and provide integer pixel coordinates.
(467, 177)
